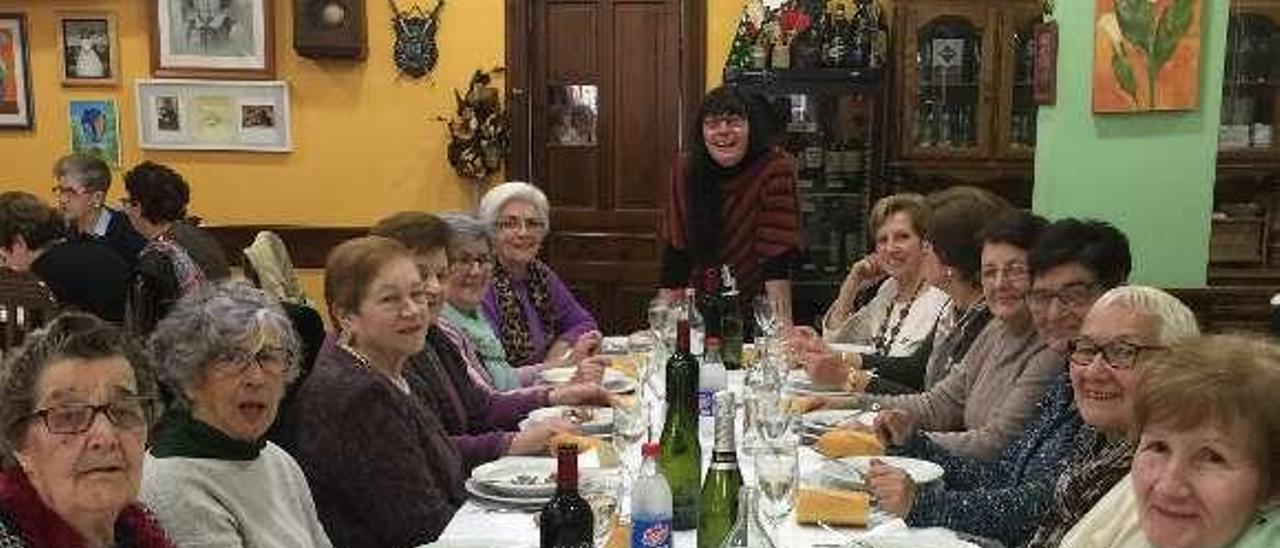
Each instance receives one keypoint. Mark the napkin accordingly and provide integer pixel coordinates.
(848, 443)
(833, 506)
(896, 534)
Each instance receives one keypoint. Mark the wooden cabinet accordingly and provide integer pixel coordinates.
(1251, 89)
(963, 94)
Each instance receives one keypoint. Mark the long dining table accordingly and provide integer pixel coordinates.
(478, 524)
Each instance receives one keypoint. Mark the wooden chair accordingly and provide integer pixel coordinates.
(25, 305)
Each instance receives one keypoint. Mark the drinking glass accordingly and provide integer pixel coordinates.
(777, 473)
(642, 348)
(766, 316)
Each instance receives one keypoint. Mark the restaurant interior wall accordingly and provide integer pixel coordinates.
(1151, 174)
(366, 141)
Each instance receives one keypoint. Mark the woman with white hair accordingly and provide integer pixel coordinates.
(536, 316)
(211, 477)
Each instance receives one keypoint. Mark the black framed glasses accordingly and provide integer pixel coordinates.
(1071, 295)
(271, 359)
(1117, 354)
(76, 418)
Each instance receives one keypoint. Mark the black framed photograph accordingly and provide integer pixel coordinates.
(88, 49)
(15, 74)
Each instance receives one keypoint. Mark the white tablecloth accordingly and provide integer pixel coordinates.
(476, 525)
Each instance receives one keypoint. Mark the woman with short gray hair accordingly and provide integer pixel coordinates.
(536, 316)
(226, 352)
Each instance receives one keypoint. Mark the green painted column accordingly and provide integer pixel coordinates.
(1150, 174)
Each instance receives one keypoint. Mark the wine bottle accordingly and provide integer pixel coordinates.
(566, 520)
(747, 531)
(720, 490)
(730, 321)
(681, 460)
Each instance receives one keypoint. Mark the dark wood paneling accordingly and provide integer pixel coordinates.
(572, 43)
(572, 178)
(647, 131)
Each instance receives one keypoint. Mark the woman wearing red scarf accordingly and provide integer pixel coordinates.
(75, 405)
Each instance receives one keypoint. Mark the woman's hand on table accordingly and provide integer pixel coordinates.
(579, 394)
(894, 490)
(533, 440)
(591, 370)
(587, 344)
(895, 426)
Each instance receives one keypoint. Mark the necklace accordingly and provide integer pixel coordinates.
(882, 342)
(956, 351)
(396, 380)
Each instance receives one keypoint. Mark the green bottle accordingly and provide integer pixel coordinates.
(681, 460)
(720, 490)
(730, 321)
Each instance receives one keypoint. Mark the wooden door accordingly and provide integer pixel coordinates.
(947, 72)
(601, 90)
(1015, 120)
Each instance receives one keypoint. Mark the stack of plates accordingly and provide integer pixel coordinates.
(817, 422)
(590, 420)
(522, 482)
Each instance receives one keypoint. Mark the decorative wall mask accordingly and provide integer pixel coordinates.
(416, 52)
(478, 133)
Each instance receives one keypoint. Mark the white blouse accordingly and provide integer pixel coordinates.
(904, 325)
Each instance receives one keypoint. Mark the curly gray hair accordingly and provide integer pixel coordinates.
(464, 228)
(207, 325)
(497, 197)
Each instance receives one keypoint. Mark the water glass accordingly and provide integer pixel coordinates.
(777, 473)
(629, 425)
(766, 316)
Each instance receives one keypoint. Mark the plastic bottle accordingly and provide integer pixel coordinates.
(712, 378)
(651, 504)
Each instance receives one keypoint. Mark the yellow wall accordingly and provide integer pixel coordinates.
(722, 23)
(365, 141)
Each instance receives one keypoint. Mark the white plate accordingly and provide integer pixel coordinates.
(827, 419)
(849, 469)
(854, 348)
(558, 375)
(618, 383)
(601, 421)
(506, 477)
(483, 494)
(613, 345)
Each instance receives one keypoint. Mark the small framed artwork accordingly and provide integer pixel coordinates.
(209, 115)
(95, 129)
(88, 49)
(15, 78)
(219, 39)
(1045, 88)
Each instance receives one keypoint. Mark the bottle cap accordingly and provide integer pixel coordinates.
(651, 449)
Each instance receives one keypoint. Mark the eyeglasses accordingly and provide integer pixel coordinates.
(463, 263)
(1011, 271)
(68, 190)
(513, 224)
(732, 122)
(128, 202)
(271, 359)
(1072, 295)
(1119, 355)
(129, 414)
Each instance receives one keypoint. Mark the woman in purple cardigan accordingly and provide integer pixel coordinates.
(481, 422)
(533, 311)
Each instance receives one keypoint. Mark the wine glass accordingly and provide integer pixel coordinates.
(777, 473)
(766, 316)
(629, 425)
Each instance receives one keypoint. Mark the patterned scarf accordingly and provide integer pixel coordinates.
(515, 327)
(41, 527)
(1097, 464)
(189, 275)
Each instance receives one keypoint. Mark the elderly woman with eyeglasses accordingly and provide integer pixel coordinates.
(533, 311)
(1207, 469)
(75, 405)
(227, 353)
(81, 193)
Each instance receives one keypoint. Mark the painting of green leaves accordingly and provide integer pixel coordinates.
(1146, 55)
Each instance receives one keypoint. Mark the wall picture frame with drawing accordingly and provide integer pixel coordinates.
(215, 39)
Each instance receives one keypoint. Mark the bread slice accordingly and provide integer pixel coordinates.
(834, 507)
(849, 443)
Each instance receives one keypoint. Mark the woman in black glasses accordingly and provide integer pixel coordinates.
(74, 402)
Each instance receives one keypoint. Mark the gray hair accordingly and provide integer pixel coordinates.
(204, 326)
(1172, 320)
(87, 170)
(464, 228)
(497, 197)
(73, 335)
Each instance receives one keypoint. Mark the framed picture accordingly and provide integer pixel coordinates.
(95, 129)
(218, 39)
(206, 115)
(1146, 55)
(15, 77)
(88, 49)
(1045, 77)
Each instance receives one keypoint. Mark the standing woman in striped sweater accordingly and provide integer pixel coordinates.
(733, 201)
